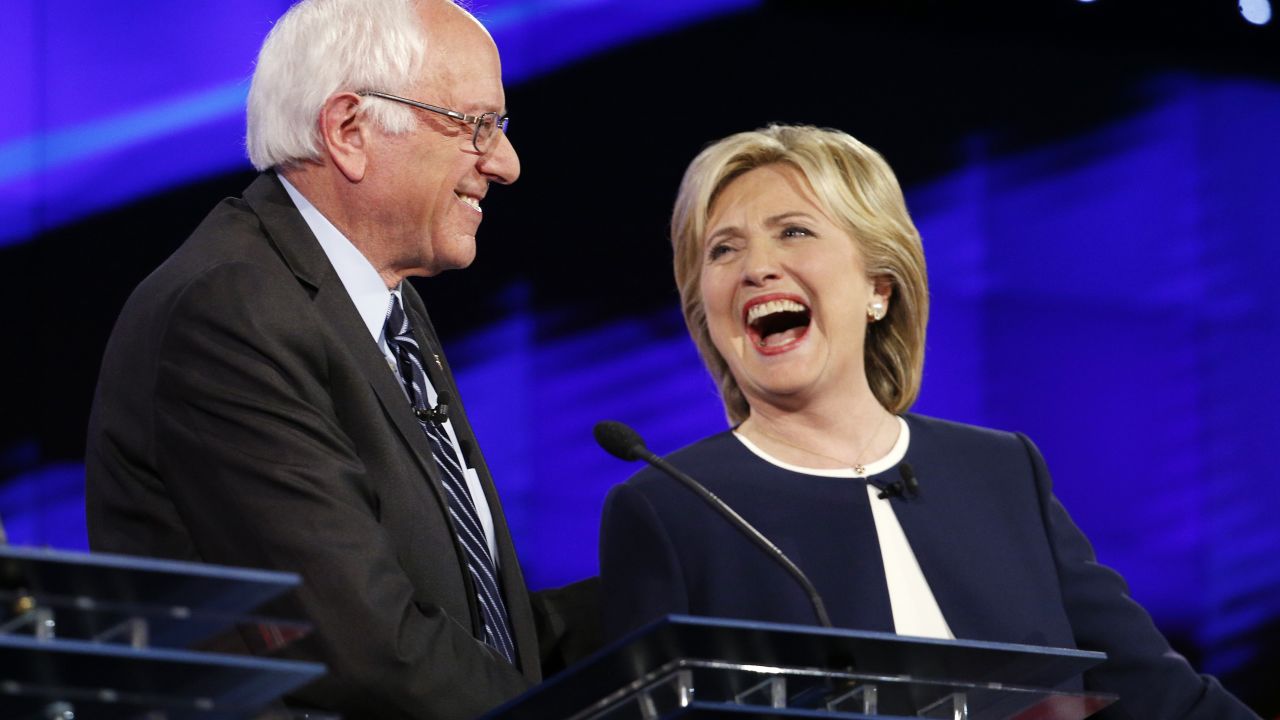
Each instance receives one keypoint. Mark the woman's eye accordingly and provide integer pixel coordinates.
(718, 251)
(795, 231)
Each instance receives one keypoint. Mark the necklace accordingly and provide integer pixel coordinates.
(859, 469)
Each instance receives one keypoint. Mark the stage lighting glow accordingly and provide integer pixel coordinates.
(1257, 12)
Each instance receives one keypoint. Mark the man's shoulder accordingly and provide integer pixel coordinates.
(231, 240)
(232, 231)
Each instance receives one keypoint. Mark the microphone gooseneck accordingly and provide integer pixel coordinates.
(623, 442)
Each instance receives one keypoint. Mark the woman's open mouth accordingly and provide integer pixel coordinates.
(776, 322)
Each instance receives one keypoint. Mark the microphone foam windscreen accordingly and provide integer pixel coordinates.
(618, 440)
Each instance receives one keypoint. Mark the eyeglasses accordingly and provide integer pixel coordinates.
(487, 125)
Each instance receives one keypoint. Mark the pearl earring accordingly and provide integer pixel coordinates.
(875, 311)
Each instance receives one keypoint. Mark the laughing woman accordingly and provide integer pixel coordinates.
(802, 280)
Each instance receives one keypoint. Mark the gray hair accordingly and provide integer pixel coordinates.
(322, 47)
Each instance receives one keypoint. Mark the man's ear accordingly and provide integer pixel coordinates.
(344, 132)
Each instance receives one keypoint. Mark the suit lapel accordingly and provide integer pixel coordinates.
(513, 585)
(304, 256)
(299, 249)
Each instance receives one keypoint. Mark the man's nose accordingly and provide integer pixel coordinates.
(501, 164)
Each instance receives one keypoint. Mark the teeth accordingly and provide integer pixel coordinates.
(771, 307)
(473, 202)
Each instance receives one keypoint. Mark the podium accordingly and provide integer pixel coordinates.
(689, 667)
(100, 637)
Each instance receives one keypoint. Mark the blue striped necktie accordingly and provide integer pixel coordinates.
(462, 509)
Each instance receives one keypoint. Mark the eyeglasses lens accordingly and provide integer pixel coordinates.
(487, 131)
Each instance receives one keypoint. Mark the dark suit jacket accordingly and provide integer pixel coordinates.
(1004, 560)
(244, 416)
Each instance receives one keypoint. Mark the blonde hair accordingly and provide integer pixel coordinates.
(858, 190)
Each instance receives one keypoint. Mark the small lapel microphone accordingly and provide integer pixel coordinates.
(440, 412)
(908, 488)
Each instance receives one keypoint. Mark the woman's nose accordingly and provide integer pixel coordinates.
(760, 265)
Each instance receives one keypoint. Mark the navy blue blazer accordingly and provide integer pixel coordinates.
(1002, 556)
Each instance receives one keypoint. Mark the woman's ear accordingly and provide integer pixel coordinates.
(878, 303)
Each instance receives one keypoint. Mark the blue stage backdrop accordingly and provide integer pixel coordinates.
(1113, 294)
(159, 87)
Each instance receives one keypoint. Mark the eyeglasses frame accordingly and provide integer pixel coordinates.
(499, 121)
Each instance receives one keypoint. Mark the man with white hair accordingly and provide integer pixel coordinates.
(274, 395)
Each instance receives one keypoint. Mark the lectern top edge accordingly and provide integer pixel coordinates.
(126, 562)
(1038, 650)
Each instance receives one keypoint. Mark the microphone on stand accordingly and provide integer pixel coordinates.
(622, 442)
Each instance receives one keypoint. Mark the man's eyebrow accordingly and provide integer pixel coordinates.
(479, 108)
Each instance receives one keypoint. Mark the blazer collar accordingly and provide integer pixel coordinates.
(287, 230)
(301, 252)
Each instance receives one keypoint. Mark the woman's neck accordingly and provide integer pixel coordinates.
(848, 437)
